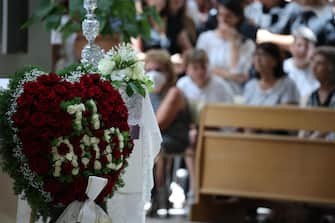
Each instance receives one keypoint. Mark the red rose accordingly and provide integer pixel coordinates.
(39, 165)
(79, 187)
(38, 119)
(21, 117)
(116, 153)
(46, 95)
(31, 87)
(81, 167)
(128, 149)
(25, 100)
(75, 141)
(64, 121)
(104, 160)
(102, 145)
(49, 79)
(67, 168)
(42, 106)
(93, 153)
(25, 133)
(60, 89)
(87, 114)
(77, 150)
(99, 133)
(63, 149)
(32, 148)
(94, 92)
(127, 152)
(115, 141)
(66, 197)
(112, 179)
(86, 79)
(52, 186)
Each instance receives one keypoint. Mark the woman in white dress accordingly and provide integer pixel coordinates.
(228, 51)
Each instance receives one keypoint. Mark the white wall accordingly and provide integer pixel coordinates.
(39, 50)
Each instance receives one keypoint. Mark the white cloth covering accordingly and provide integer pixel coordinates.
(88, 211)
(127, 204)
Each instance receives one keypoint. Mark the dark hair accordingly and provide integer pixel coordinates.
(328, 52)
(273, 51)
(181, 13)
(233, 5)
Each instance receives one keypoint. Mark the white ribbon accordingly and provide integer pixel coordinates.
(89, 211)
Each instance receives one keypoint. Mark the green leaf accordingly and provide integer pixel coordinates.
(139, 88)
(129, 90)
(75, 5)
(116, 84)
(105, 4)
(70, 27)
(30, 21)
(149, 84)
(43, 12)
(52, 22)
(54, 142)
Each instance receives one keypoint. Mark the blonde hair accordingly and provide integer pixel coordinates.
(196, 56)
(162, 57)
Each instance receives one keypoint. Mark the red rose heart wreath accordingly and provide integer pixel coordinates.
(67, 131)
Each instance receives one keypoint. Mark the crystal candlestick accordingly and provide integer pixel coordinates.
(91, 53)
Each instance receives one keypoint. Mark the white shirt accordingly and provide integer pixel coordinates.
(217, 90)
(283, 92)
(303, 78)
(275, 20)
(218, 51)
(315, 23)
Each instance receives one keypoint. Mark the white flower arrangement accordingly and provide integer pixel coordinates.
(121, 66)
(76, 109)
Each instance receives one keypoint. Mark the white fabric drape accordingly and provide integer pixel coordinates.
(127, 204)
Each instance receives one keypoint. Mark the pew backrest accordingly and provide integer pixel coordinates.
(264, 165)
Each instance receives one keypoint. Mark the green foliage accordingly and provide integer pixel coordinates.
(115, 16)
(82, 68)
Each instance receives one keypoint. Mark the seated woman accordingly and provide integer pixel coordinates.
(271, 85)
(229, 52)
(172, 115)
(323, 68)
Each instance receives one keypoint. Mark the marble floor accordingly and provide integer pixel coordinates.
(176, 219)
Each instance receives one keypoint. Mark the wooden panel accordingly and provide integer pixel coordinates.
(281, 117)
(268, 167)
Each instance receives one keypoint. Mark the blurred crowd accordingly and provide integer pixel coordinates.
(253, 52)
(261, 53)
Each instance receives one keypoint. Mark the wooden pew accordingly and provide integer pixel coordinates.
(262, 166)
